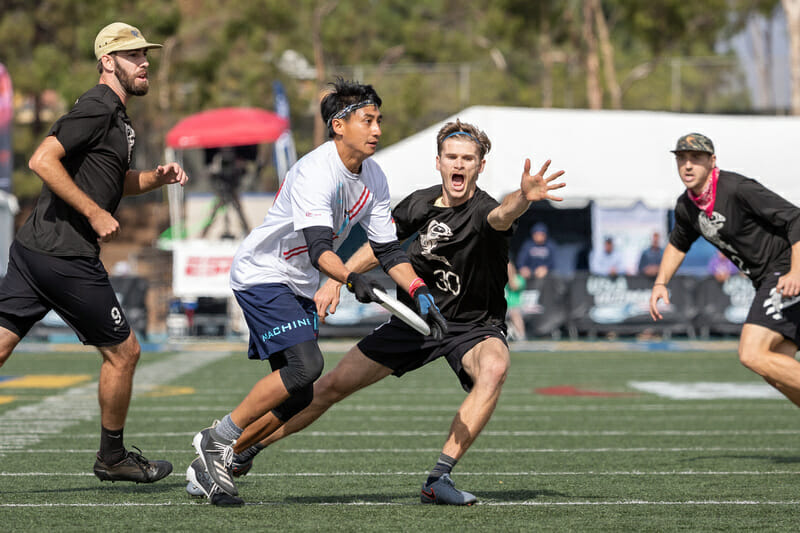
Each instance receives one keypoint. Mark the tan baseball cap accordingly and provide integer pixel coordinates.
(119, 36)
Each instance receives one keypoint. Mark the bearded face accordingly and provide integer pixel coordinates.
(132, 78)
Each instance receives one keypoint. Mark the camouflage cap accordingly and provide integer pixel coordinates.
(694, 142)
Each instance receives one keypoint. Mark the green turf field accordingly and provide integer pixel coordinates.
(596, 453)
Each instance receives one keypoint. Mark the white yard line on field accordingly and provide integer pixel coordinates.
(518, 433)
(357, 451)
(527, 503)
(632, 473)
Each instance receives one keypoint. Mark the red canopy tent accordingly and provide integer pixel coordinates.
(228, 126)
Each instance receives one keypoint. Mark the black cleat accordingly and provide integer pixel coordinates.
(134, 467)
(241, 469)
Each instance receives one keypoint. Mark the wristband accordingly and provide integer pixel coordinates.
(416, 284)
(664, 284)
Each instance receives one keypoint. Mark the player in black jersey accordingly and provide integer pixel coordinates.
(461, 252)
(54, 262)
(760, 232)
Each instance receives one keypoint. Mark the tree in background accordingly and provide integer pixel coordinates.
(792, 9)
(428, 59)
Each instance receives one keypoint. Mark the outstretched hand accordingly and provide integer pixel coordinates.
(171, 173)
(536, 187)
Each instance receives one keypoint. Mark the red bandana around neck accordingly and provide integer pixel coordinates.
(705, 200)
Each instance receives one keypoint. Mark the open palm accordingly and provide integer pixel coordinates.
(536, 187)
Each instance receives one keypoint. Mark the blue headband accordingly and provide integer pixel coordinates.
(464, 133)
(349, 109)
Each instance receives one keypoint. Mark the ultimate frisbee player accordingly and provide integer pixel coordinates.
(275, 274)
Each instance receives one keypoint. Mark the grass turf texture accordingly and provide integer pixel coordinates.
(634, 462)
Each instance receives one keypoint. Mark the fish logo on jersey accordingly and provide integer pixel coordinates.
(436, 232)
(709, 228)
(131, 136)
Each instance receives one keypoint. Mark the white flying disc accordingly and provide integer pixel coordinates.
(402, 311)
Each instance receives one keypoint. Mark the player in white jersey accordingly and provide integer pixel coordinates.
(318, 191)
(275, 274)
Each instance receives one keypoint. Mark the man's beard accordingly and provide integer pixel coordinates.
(128, 81)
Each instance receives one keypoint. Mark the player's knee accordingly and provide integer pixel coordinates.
(304, 363)
(5, 353)
(8, 341)
(750, 357)
(132, 353)
(494, 369)
(330, 390)
(296, 403)
(125, 356)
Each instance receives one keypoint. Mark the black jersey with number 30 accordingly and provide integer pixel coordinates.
(751, 225)
(459, 255)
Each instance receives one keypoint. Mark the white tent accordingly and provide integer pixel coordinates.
(615, 158)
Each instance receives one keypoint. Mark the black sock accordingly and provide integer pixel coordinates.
(443, 466)
(112, 450)
(250, 452)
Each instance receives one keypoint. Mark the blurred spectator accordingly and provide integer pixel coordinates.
(537, 255)
(514, 289)
(651, 257)
(608, 261)
(721, 268)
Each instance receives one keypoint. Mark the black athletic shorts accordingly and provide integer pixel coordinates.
(786, 322)
(77, 288)
(395, 345)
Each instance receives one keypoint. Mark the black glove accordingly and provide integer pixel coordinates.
(361, 287)
(430, 313)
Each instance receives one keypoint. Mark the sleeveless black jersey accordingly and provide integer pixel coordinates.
(98, 139)
(462, 259)
(754, 227)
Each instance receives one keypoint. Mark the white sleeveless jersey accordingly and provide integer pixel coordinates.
(318, 191)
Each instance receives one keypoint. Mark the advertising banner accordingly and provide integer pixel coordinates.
(202, 268)
(621, 304)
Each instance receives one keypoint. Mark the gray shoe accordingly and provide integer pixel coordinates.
(217, 456)
(200, 484)
(196, 476)
(444, 492)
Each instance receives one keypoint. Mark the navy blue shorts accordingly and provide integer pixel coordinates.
(277, 318)
(398, 347)
(77, 288)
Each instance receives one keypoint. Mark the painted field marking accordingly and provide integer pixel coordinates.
(705, 390)
(633, 473)
(79, 404)
(696, 449)
(526, 503)
(531, 433)
(43, 381)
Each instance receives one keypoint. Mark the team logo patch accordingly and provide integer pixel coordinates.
(709, 228)
(437, 232)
